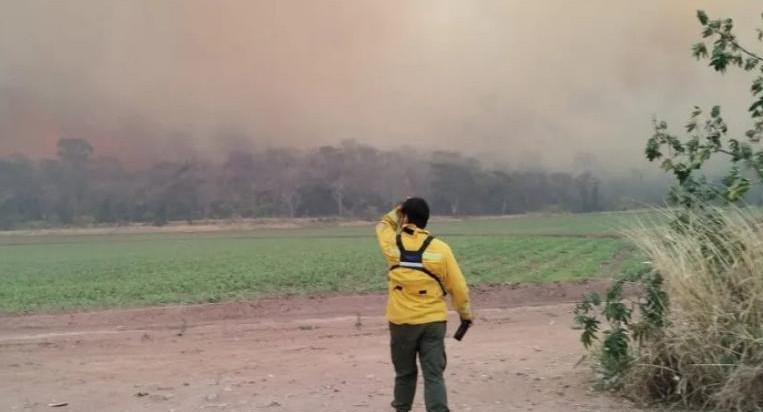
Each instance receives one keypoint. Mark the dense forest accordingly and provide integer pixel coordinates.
(350, 179)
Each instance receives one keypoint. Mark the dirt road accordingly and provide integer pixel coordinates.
(296, 355)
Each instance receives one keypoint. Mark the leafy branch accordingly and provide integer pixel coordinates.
(615, 353)
(726, 41)
(708, 134)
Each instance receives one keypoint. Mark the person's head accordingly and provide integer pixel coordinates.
(415, 210)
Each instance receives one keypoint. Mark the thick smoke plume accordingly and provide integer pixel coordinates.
(550, 81)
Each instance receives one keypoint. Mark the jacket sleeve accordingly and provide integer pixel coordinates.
(386, 230)
(456, 285)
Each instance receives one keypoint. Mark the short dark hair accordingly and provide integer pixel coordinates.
(417, 211)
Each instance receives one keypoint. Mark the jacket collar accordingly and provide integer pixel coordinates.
(410, 227)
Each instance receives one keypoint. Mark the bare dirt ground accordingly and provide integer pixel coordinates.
(303, 354)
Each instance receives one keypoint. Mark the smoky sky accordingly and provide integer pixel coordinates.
(546, 80)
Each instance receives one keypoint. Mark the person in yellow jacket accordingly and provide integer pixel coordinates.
(422, 271)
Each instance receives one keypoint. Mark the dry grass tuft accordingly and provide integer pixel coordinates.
(711, 353)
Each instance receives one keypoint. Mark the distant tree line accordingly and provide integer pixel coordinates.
(349, 179)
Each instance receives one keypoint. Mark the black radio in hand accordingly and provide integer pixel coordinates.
(465, 324)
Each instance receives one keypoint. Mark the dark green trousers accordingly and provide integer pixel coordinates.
(428, 342)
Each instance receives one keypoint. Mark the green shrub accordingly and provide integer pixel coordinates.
(706, 351)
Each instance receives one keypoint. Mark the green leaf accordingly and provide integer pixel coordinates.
(652, 150)
(750, 64)
(753, 135)
(590, 329)
(702, 16)
(699, 51)
(757, 86)
(745, 151)
(594, 298)
(728, 25)
(615, 292)
(715, 112)
(734, 148)
(738, 188)
(676, 144)
(719, 62)
(757, 105)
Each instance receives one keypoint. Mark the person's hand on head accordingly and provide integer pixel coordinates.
(399, 208)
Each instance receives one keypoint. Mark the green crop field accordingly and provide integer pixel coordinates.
(61, 272)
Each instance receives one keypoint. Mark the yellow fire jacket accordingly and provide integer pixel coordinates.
(415, 297)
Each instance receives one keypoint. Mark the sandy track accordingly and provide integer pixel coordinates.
(304, 354)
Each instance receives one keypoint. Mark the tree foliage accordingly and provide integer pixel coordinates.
(707, 132)
(349, 179)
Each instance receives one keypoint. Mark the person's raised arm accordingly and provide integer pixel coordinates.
(386, 230)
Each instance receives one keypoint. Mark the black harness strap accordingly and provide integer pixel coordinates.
(400, 247)
(425, 245)
(415, 259)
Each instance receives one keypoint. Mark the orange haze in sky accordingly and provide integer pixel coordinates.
(516, 79)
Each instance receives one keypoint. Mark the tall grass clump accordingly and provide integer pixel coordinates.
(693, 334)
(710, 353)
